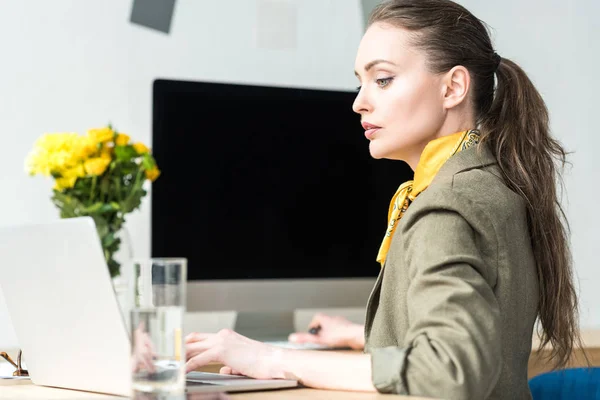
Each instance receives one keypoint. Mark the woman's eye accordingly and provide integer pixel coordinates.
(358, 88)
(383, 82)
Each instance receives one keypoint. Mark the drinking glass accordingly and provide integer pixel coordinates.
(157, 355)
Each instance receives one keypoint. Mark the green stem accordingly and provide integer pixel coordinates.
(133, 189)
(104, 185)
(137, 178)
(118, 185)
(94, 179)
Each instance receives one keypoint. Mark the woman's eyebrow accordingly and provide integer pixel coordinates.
(373, 63)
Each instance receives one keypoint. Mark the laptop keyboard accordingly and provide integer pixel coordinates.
(196, 383)
(195, 376)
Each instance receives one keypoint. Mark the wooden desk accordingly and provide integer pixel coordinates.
(24, 389)
(10, 389)
(14, 389)
(591, 343)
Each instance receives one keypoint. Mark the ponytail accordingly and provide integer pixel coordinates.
(516, 128)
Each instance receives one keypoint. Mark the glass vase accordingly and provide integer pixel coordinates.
(123, 281)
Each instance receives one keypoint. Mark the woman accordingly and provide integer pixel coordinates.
(475, 249)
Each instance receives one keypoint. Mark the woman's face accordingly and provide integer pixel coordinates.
(399, 98)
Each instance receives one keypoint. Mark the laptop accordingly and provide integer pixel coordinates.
(66, 317)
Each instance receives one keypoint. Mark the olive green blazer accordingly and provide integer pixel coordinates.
(453, 309)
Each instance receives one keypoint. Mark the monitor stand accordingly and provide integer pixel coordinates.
(265, 325)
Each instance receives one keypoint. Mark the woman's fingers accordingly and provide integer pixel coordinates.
(226, 371)
(195, 348)
(197, 337)
(146, 360)
(317, 320)
(202, 359)
(304, 337)
(229, 371)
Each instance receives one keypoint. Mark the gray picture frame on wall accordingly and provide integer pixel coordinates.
(153, 14)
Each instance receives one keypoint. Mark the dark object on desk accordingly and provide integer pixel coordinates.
(315, 330)
(19, 371)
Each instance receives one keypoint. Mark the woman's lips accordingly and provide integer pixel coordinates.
(370, 132)
(370, 129)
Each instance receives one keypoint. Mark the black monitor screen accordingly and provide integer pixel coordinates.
(266, 182)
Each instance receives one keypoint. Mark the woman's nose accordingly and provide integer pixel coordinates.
(361, 104)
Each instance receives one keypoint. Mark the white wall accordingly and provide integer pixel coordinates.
(557, 43)
(68, 65)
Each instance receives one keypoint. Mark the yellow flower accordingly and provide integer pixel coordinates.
(152, 174)
(77, 171)
(101, 135)
(68, 177)
(37, 163)
(140, 148)
(96, 166)
(53, 153)
(65, 183)
(107, 152)
(83, 147)
(122, 139)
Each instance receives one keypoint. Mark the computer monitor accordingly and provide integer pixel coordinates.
(273, 197)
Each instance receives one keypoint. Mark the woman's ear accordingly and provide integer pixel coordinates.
(457, 82)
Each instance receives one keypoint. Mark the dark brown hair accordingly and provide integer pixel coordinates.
(513, 120)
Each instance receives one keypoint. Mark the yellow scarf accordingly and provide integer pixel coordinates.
(435, 154)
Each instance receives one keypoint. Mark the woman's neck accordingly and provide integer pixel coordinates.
(459, 122)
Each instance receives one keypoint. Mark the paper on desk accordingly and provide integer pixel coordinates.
(6, 371)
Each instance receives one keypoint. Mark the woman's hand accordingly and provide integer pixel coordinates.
(335, 332)
(238, 354)
(143, 354)
(243, 356)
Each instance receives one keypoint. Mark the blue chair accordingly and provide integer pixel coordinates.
(567, 384)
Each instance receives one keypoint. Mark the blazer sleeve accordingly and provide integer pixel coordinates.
(452, 348)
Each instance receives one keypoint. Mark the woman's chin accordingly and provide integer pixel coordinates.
(376, 150)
